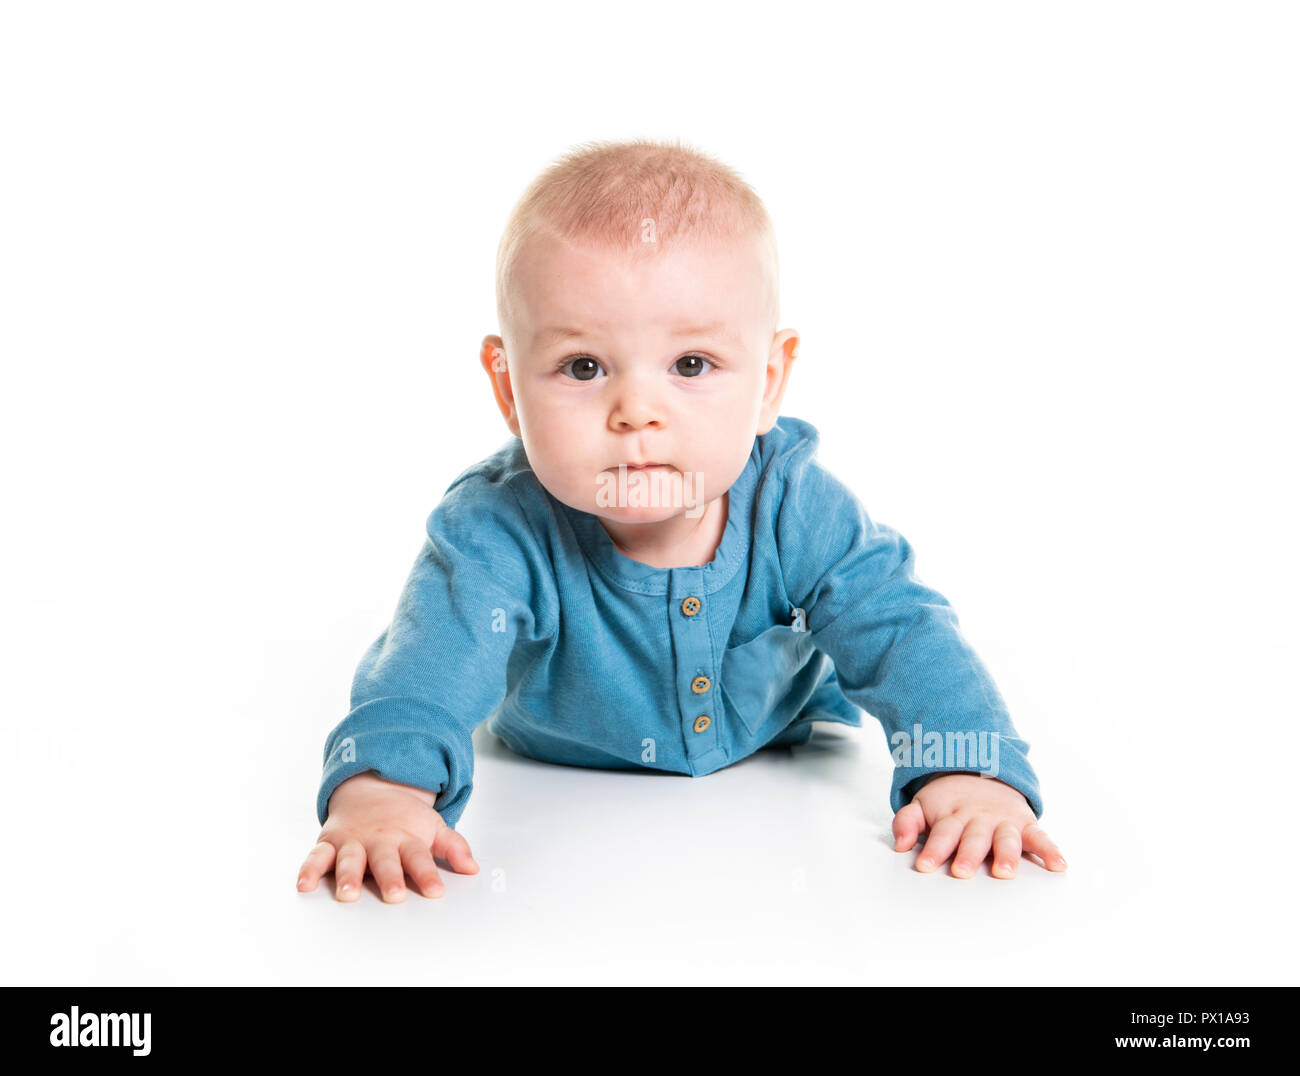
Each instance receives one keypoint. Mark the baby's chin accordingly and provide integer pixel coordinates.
(630, 515)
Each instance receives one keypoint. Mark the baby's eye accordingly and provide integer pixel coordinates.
(695, 369)
(584, 365)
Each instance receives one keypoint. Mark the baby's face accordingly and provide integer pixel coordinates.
(668, 358)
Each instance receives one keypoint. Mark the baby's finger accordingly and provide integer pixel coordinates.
(387, 869)
(318, 861)
(943, 838)
(908, 824)
(1036, 840)
(420, 866)
(973, 848)
(1006, 850)
(349, 869)
(451, 846)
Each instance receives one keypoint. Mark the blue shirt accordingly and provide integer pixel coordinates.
(520, 611)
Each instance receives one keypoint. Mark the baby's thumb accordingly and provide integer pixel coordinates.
(452, 847)
(908, 823)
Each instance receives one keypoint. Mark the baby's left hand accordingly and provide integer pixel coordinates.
(978, 812)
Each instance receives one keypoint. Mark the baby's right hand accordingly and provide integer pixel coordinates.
(390, 827)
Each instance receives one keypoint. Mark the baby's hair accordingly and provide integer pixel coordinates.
(638, 196)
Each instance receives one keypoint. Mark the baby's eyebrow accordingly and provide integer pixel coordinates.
(549, 336)
(717, 329)
(714, 328)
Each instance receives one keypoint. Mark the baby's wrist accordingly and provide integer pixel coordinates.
(368, 778)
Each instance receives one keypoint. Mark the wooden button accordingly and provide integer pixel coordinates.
(702, 722)
(700, 685)
(690, 606)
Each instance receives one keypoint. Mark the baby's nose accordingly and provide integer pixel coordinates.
(637, 405)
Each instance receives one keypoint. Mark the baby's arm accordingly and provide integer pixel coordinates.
(900, 655)
(398, 769)
(391, 828)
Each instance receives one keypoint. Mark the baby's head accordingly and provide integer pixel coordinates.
(637, 293)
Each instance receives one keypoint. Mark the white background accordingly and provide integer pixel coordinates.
(1044, 261)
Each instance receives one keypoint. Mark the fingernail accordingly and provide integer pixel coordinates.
(1061, 863)
(925, 865)
(1006, 867)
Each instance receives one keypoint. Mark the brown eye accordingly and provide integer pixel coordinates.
(696, 367)
(584, 367)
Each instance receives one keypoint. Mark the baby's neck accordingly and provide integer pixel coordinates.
(680, 542)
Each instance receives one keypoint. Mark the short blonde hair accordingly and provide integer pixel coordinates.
(606, 192)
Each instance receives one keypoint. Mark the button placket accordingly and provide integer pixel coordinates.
(693, 661)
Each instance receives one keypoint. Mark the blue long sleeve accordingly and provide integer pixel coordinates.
(440, 668)
(898, 649)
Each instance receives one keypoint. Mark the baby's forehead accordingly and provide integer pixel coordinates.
(688, 275)
(726, 283)
(634, 251)
(686, 270)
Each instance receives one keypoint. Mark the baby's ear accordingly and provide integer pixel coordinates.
(785, 346)
(785, 349)
(493, 355)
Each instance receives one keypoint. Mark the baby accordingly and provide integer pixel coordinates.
(655, 572)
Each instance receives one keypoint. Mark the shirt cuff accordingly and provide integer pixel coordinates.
(406, 741)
